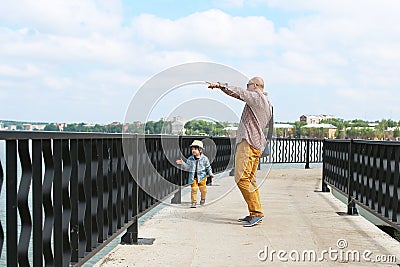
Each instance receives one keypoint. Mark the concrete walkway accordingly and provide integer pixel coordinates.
(299, 221)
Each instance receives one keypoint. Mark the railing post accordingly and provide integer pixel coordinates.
(11, 203)
(307, 154)
(74, 234)
(131, 235)
(57, 203)
(325, 187)
(351, 205)
(37, 202)
(233, 153)
(177, 199)
(209, 179)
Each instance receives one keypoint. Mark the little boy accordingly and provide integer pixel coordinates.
(199, 168)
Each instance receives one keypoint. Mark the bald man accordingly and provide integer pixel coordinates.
(250, 141)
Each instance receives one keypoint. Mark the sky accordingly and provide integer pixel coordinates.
(83, 61)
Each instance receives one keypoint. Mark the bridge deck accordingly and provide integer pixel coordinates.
(298, 221)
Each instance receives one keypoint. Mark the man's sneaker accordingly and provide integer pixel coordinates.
(245, 219)
(254, 221)
(202, 201)
(193, 205)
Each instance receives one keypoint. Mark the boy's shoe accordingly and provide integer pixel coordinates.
(254, 221)
(193, 205)
(245, 219)
(202, 201)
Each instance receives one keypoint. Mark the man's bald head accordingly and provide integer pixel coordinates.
(259, 82)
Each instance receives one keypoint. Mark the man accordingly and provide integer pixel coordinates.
(250, 141)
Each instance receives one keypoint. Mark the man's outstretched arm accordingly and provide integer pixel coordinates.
(224, 88)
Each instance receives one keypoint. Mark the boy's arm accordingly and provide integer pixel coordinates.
(208, 168)
(185, 166)
(182, 165)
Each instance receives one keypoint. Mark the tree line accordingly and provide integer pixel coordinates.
(82, 127)
(362, 130)
(193, 127)
(352, 129)
(356, 128)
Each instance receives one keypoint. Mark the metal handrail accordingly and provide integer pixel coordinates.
(74, 192)
(368, 173)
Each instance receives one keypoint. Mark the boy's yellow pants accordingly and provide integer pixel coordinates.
(246, 163)
(195, 188)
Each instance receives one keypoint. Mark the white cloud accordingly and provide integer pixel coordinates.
(76, 50)
(229, 3)
(212, 31)
(350, 93)
(375, 103)
(338, 8)
(18, 46)
(318, 49)
(24, 71)
(69, 17)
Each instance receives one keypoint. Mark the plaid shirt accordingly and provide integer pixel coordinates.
(255, 116)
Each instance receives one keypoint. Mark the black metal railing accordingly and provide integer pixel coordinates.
(290, 150)
(367, 173)
(67, 195)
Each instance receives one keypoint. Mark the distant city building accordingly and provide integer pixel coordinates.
(360, 128)
(388, 134)
(172, 119)
(373, 124)
(127, 127)
(177, 124)
(177, 127)
(231, 130)
(315, 119)
(61, 126)
(27, 127)
(38, 127)
(284, 129)
(328, 130)
(137, 123)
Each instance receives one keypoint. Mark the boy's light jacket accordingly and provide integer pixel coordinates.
(203, 168)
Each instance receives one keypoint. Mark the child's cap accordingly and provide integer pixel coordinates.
(197, 143)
